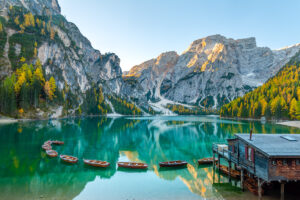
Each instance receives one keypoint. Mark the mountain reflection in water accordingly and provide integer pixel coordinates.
(26, 172)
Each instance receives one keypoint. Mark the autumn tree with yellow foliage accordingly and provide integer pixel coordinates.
(29, 20)
(50, 88)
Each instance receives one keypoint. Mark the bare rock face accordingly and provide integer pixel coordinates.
(148, 76)
(38, 7)
(212, 71)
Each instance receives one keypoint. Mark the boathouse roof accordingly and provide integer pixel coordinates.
(274, 145)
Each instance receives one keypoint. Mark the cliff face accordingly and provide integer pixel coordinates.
(212, 71)
(69, 57)
(73, 60)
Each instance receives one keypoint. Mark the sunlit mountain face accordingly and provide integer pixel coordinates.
(27, 173)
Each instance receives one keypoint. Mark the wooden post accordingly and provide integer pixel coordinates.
(259, 187)
(214, 162)
(242, 179)
(214, 174)
(219, 162)
(282, 191)
(229, 169)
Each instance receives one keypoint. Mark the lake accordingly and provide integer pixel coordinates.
(27, 173)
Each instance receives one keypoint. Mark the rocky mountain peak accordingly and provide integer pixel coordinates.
(213, 41)
(168, 59)
(212, 71)
(247, 43)
(163, 62)
(37, 7)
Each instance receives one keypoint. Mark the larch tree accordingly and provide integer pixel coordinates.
(17, 21)
(35, 49)
(29, 20)
(241, 110)
(293, 109)
(47, 90)
(298, 110)
(52, 33)
(52, 85)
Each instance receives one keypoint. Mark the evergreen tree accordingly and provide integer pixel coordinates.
(8, 97)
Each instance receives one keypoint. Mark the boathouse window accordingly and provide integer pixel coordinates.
(297, 162)
(249, 153)
(284, 162)
(274, 162)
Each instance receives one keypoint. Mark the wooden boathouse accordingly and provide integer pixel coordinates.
(265, 158)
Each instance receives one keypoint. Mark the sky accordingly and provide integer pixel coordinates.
(139, 30)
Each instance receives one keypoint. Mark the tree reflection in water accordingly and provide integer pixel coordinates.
(26, 172)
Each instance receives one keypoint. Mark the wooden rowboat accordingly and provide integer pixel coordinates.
(57, 142)
(233, 173)
(69, 159)
(51, 153)
(175, 163)
(206, 161)
(49, 142)
(133, 165)
(46, 147)
(96, 163)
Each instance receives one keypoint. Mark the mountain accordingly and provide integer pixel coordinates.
(211, 72)
(48, 69)
(34, 33)
(278, 98)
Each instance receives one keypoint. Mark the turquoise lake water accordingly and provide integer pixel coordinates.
(27, 173)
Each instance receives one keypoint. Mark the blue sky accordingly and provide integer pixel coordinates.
(138, 30)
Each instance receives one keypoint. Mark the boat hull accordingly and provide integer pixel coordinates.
(46, 147)
(176, 163)
(51, 153)
(96, 163)
(206, 161)
(69, 159)
(56, 142)
(132, 165)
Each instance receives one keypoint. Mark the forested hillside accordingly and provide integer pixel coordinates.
(26, 87)
(278, 98)
(32, 89)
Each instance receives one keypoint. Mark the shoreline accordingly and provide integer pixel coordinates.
(295, 124)
(8, 120)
